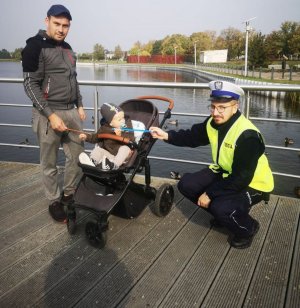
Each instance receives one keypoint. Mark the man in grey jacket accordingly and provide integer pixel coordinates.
(50, 81)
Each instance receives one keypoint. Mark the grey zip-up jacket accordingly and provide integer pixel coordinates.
(50, 78)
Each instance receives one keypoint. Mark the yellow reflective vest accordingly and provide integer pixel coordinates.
(262, 179)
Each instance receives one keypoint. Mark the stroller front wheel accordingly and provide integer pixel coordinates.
(95, 235)
(164, 200)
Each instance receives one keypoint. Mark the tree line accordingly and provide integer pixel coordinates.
(262, 49)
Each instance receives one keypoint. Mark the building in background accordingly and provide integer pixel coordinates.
(213, 56)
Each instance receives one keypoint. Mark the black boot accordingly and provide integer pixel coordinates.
(240, 242)
(56, 210)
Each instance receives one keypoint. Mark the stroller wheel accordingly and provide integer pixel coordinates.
(164, 200)
(71, 225)
(95, 236)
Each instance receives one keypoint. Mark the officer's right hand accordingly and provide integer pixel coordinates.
(57, 123)
(158, 133)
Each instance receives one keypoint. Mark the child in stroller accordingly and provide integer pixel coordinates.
(111, 154)
(105, 192)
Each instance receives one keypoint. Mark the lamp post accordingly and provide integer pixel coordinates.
(175, 59)
(248, 28)
(195, 53)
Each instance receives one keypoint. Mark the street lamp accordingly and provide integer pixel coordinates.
(175, 60)
(195, 53)
(248, 28)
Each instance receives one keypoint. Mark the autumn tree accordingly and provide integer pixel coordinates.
(204, 40)
(181, 42)
(234, 40)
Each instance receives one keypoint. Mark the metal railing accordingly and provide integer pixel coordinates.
(247, 89)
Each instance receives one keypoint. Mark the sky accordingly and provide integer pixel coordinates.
(124, 22)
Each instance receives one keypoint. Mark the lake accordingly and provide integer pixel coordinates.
(185, 100)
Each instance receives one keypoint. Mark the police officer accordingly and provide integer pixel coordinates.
(239, 176)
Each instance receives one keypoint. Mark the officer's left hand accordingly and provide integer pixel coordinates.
(204, 201)
(82, 114)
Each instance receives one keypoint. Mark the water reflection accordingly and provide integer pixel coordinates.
(186, 100)
(269, 107)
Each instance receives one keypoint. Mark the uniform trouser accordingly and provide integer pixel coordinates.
(49, 142)
(232, 210)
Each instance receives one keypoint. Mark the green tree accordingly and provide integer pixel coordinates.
(294, 41)
(17, 54)
(256, 50)
(273, 45)
(99, 52)
(287, 31)
(4, 54)
(156, 48)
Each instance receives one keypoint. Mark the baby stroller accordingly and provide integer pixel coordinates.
(105, 192)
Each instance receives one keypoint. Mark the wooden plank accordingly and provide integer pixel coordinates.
(231, 283)
(19, 179)
(293, 294)
(269, 284)
(148, 261)
(29, 279)
(111, 288)
(191, 259)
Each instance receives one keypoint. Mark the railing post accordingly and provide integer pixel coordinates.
(247, 109)
(96, 108)
(260, 72)
(272, 73)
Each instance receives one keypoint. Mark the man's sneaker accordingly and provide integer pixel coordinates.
(56, 210)
(108, 165)
(85, 159)
(244, 242)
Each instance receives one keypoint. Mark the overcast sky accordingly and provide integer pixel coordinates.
(124, 22)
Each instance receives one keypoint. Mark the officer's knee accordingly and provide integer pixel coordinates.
(183, 184)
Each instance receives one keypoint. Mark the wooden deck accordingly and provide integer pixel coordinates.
(176, 261)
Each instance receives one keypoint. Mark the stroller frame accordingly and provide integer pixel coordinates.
(104, 192)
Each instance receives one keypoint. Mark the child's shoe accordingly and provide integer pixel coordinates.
(108, 165)
(85, 159)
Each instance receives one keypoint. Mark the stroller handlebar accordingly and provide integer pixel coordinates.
(162, 98)
(124, 140)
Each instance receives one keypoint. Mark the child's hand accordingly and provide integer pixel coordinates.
(82, 137)
(118, 131)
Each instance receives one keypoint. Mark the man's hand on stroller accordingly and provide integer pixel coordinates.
(82, 137)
